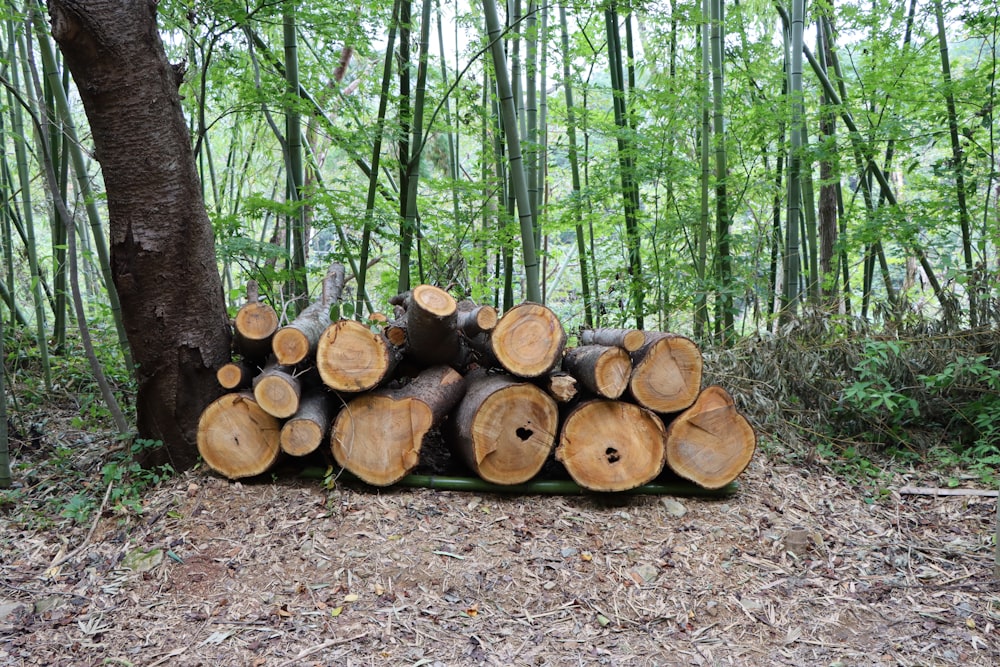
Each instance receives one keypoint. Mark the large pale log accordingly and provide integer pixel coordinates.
(603, 370)
(277, 390)
(528, 341)
(611, 445)
(378, 435)
(710, 443)
(304, 432)
(504, 428)
(666, 374)
(351, 358)
(292, 344)
(254, 326)
(236, 438)
(629, 340)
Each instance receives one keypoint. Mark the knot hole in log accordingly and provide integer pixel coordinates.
(612, 454)
(524, 433)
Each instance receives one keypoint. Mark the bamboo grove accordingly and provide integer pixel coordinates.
(712, 168)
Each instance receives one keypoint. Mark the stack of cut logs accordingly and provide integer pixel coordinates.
(503, 392)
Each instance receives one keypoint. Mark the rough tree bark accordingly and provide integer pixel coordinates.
(162, 252)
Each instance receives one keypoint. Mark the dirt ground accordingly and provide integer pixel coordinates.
(797, 568)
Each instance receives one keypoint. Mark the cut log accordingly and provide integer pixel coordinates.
(528, 341)
(603, 370)
(236, 375)
(431, 326)
(292, 344)
(611, 445)
(236, 438)
(308, 428)
(710, 443)
(378, 435)
(504, 429)
(277, 391)
(629, 340)
(474, 320)
(352, 358)
(254, 326)
(666, 374)
(561, 386)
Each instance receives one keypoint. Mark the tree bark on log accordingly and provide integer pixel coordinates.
(611, 445)
(236, 438)
(431, 326)
(254, 326)
(710, 443)
(528, 341)
(378, 435)
(308, 428)
(504, 429)
(666, 375)
(277, 391)
(294, 343)
(629, 340)
(352, 358)
(474, 320)
(606, 371)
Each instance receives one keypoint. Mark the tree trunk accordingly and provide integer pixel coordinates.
(236, 438)
(306, 431)
(666, 375)
(710, 443)
(162, 251)
(352, 358)
(603, 370)
(505, 429)
(611, 446)
(528, 341)
(378, 436)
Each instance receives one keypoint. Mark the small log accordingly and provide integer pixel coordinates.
(603, 370)
(431, 326)
(561, 386)
(629, 340)
(474, 320)
(611, 445)
(710, 443)
(254, 326)
(504, 428)
(277, 391)
(352, 358)
(236, 438)
(528, 341)
(378, 435)
(292, 344)
(308, 428)
(236, 375)
(666, 373)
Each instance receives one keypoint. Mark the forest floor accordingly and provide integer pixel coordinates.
(800, 567)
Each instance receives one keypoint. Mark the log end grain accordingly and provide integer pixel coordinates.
(378, 438)
(300, 437)
(433, 301)
(529, 340)
(236, 438)
(290, 346)
(351, 358)
(276, 395)
(710, 443)
(667, 373)
(611, 445)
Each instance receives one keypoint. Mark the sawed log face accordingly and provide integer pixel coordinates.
(236, 438)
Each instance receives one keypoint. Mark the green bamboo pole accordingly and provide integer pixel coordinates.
(574, 164)
(704, 220)
(5, 475)
(680, 488)
(383, 101)
(531, 116)
(82, 177)
(790, 290)
(723, 258)
(295, 171)
(508, 116)
(24, 178)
